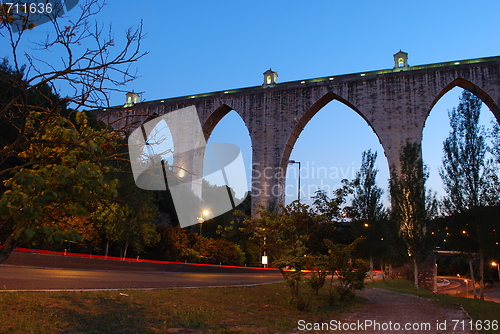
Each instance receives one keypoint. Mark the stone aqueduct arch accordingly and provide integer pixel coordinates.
(395, 103)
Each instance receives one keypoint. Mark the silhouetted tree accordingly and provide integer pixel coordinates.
(367, 211)
(412, 208)
(468, 177)
(53, 160)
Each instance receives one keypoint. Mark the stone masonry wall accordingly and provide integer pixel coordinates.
(394, 103)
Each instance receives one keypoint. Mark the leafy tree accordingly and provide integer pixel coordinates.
(285, 235)
(367, 211)
(412, 208)
(128, 220)
(469, 178)
(367, 202)
(207, 250)
(234, 231)
(130, 217)
(52, 160)
(494, 135)
(173, 244)
(319, 270)
(291, 264)
(332, 209)
(395, 250)
(63, 173)
(178, 245)
(291, 236)
(332, 214)
(226, 252)
(350, 271)
(282, 229)
(85, 235)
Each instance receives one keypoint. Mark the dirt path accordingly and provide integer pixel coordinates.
(388, 310)
(392, 312)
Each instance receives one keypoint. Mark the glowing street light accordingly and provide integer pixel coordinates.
(498, 268)
(467, 287)
(200, 219)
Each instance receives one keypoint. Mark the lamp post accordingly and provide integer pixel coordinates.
(296, 162)
(498, 268)
(467, 288)
(264, 256)
(264, 259)
(201, 220)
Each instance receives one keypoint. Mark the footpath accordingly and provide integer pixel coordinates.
(407, 314)
(392, 312)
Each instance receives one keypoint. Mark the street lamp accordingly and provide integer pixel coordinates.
(498, 268)
(201, 219)
(261, 232)
(296, 162)
(467, 287)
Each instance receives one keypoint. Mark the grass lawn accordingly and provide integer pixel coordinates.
(259, 309)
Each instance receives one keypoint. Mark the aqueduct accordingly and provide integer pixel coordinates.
(394, 102)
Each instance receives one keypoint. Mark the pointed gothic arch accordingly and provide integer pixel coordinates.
(309, 114)
(474, 89)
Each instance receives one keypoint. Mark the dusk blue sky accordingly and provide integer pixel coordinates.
(204, 46)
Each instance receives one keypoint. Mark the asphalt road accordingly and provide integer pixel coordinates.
(459, 288)
(36, 272)
(35, 279)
